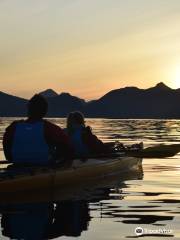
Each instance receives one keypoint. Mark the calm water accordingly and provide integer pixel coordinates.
(113, 208)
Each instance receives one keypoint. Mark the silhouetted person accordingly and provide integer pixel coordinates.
(35, 140)
(82, 138)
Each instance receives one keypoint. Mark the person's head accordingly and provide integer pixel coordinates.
(75, 119)
(37, 107)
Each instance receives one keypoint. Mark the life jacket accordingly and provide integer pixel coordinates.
(29, 145)
(76, 136)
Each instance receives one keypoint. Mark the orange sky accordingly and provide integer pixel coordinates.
(88, 47)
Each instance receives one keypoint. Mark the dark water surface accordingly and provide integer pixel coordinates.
(116, 206)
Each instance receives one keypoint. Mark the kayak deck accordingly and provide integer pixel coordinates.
(58, 177)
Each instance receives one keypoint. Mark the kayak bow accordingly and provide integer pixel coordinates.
(159, 151)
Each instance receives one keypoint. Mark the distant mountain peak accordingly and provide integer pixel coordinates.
(48, 93)
(162, 86)
(116, 92)
(67, 95)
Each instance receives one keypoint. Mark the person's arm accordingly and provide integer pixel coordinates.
(55, 136)
(94, 144)
(8, 141)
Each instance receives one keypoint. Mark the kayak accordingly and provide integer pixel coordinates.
(48, 178)
(39, 178)
(91, 189)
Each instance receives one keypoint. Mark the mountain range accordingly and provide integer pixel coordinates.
(159, 101)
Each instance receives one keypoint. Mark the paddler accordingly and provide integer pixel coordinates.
(35, 140)
(83, 140)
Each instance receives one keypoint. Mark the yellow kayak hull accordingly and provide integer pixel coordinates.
(62, 178)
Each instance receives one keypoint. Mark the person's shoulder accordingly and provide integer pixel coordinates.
(12, 126)
(51, 125)
(14, 123)
(87, 130)
(54, 132)
(65, 130)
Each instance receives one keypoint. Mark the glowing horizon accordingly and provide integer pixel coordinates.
(88, 48)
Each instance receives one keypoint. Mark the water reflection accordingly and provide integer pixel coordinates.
(45, 220)
(68, 217)
(110, 208)
(25, 221)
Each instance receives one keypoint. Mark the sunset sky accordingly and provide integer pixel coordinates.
(88, 47)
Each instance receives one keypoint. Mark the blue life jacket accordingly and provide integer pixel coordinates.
(76, 139)
(29, 145)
